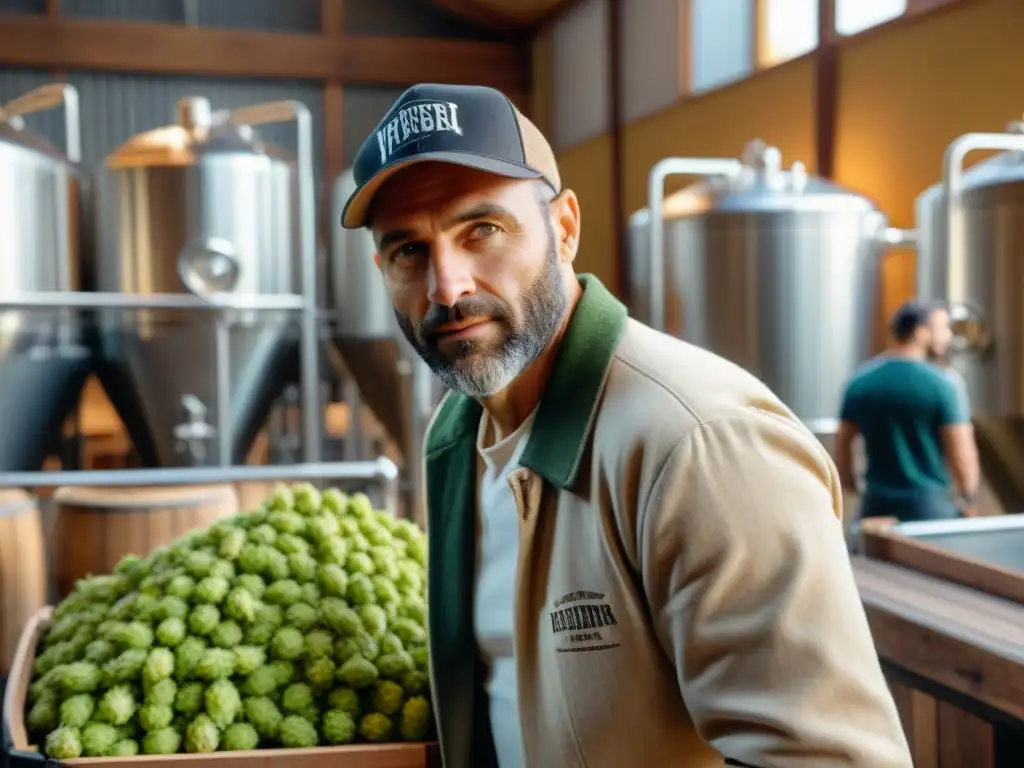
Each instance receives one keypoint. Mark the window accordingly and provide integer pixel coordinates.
(853, 16)
(722, 49)
(790, 30)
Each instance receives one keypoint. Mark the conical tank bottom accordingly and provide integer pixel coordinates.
(374, 364)
(149, 373)
(39, 388)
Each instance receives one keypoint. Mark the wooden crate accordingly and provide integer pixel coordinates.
(25, 755)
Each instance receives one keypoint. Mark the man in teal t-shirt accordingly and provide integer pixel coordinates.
(916, 428)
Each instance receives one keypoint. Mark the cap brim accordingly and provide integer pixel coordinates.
(356, 209)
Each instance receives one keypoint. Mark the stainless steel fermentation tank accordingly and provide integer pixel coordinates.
(775, 270)
(43, 360)
(971, 254)
(392, 380)
(205, 208)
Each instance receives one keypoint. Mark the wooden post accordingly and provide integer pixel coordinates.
(615, 14)
(826, 89)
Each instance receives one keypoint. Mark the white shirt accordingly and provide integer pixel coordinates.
(494, 600)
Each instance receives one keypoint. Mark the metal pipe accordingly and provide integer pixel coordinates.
(101, 300)
(952, 180)
(309, 360)
(41, 99)
(222, 349)
(900, 238)
(672, 166)
(49, 97)
(383, 470)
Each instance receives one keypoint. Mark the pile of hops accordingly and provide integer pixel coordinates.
(300, 624)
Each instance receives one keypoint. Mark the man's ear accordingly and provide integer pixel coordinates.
(565, 209)
(378, 261)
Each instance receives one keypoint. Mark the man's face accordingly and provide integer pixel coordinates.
(472, 265)
(939, 334)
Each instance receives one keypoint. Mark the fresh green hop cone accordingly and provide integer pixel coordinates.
(125, 748)
(264, 715)
(240, 737)
(338, 727)
(240, 604)
(302, 616)
(288, 644)
(189, 699)
(215, 664)
(346, 700)
(202, 735)
(296, 697)
(388, 697)
(319, 644)
(253, 584)
(320, 672)
(187, 655)
(154, 717)
(415, 721)
(227, 635)
(212, 590)
(82, 677)
(159, 665)
(166, 741)
(64, 743)
(297, 732)
(204, 619)
(162, 692)
(77, 710)
(262, 681)
(117, 706)
(248, 658)
(375, 727)
(170, 632)
(357, 672)
(223, 703)
(98, 738)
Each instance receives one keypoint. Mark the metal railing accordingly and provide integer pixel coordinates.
(381, 470)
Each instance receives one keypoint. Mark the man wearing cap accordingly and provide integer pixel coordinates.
(916, 425)
(635, 550)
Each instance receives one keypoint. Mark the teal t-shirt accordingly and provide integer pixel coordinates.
(899, 405)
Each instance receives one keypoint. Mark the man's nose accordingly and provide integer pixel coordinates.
(450, 276)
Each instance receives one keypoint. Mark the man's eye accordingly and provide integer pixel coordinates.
(409, 250)
(484, 230)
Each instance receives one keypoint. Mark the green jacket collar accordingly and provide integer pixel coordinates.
(566, 412)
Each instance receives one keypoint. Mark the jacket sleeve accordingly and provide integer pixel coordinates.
(753, 597)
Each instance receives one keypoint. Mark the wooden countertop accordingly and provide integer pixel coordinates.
(959, 638)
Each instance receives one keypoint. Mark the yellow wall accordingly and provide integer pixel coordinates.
(905, 92)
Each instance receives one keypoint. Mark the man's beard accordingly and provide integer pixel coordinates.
(478, 369)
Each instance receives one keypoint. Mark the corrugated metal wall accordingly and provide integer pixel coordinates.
(364, 108)
(116, 106)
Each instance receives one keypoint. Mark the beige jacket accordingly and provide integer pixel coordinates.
(683, 596)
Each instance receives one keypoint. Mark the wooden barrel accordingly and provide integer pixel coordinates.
(96, 527)
(22, 569)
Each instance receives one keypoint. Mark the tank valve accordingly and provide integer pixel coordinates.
(193, 433)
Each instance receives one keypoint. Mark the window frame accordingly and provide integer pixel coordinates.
(759, 38)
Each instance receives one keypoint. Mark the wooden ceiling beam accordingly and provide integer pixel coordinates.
(76, 44)
(482, 16)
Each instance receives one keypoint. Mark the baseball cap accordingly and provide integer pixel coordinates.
(466, 125)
